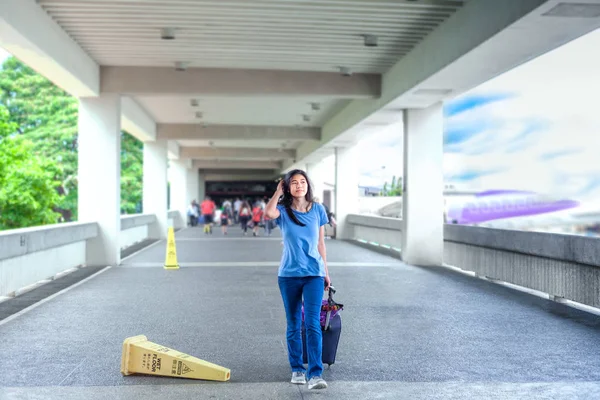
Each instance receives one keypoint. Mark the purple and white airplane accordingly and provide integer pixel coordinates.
(509, 209)
(500, 204)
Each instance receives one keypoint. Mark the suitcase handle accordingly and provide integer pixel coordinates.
(330, 301)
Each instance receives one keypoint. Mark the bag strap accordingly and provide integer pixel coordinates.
(331, 305)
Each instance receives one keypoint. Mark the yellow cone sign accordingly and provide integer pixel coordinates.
(141, 356)
(171, 258)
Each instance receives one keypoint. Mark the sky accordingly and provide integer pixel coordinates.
(536, 127)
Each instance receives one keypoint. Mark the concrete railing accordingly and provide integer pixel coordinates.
(134, 228)
(563, 266)
(30, 255)
(379, 231)
(176, 219)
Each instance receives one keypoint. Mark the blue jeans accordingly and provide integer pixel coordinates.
(292, 291)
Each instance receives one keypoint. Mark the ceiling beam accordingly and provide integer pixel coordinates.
(173, 150)
(28, 32)
(136, 121)
(236, 132)
(335, 4)
(238, 165)
(233, 153)
(229, 82)
(452, 58)
(239, 176)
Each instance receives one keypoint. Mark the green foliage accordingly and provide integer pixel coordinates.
(132, 158)
(27, 182)
(47, 116)
(395, 189)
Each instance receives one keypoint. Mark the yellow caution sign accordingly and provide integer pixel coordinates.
(143, 357)
(171, 258)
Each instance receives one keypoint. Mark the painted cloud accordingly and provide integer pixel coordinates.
(536, 127)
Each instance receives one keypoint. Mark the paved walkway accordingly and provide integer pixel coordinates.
(408, 332)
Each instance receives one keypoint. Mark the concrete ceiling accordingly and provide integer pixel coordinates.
(263, 34)
(254, 67)
(240, 110)
(258, 143)
(270, 35)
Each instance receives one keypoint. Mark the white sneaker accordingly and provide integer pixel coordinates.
(316, 382)
(298, 378)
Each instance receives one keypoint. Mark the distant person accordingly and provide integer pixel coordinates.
(226, 216)
(245, 215)
(197, 206)
(303, 272)
(228, 207)
(208, 209)
(236, 209)
(257, 217)
(192, 214)
(330, 216)
(268, 225)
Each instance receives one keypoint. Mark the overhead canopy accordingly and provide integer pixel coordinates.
(277, 83)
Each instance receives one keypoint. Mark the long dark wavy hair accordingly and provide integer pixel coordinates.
(288, 199)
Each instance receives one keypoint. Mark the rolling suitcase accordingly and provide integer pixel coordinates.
(331, 326)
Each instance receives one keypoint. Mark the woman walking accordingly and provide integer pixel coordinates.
(226, 216)
(257, 217)
(303, 271)
(245, 215)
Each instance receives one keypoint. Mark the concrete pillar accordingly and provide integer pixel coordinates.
(346, 189)
(178, 176)
(316, 174)
(200, 178)
(155, 187)
(422, 200)
(99, 175)
(193, 185)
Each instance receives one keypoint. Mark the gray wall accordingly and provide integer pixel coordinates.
(566, 266)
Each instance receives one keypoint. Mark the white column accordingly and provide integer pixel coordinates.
(99, 175)
(155, 187)
(201, 185)
(178, 175)
(316, 174)
(422, 198)
(193, 185)
(346, 189)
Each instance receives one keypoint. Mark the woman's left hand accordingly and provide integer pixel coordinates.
(327, 282)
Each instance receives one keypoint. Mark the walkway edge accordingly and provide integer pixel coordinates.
(141, 249)
(154, 243)
(472, 274)
(45, 300)
(378, 249)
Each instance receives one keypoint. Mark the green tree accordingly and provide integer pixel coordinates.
(395, 189)
(132, 158)
(47, 116)
(28, 183)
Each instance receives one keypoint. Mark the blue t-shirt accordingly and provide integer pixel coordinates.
(301, 255)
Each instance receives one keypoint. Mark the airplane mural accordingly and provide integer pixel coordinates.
(508, 209)
(501, 204)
